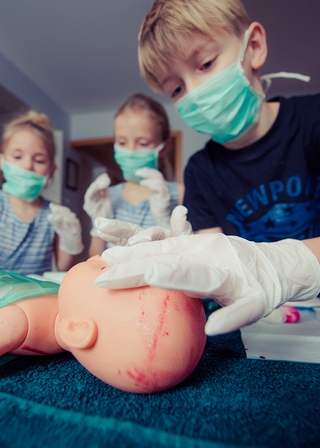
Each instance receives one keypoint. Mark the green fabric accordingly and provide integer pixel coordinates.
(14, 287)
(228, 401)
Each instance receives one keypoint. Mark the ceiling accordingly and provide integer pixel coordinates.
(83, 53)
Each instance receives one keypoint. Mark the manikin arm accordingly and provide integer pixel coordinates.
(13, 328)
(27, 326)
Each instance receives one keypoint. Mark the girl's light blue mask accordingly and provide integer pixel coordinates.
(22, 183)
(226, 106)
(131, 160)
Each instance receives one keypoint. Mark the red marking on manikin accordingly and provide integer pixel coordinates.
(33, 350)
(159, 327)
(147, 381)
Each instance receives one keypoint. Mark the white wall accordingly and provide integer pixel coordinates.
(100, 125)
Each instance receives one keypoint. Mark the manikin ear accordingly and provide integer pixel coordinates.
(78, 335)
(257, 45)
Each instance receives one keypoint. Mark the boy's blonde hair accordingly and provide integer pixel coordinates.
(171, 24)
(37, 123)
(139, 101)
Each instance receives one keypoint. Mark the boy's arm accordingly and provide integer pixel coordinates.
(211, 230)
(314, 245)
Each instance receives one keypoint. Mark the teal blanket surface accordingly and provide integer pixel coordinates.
(228, 401)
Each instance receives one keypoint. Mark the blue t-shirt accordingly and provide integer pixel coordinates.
(267, 191)
(25, 247)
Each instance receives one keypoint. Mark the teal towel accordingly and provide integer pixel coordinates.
(228, 401)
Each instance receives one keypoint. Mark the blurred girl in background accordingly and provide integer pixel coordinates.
(32, 230)
(141, 144)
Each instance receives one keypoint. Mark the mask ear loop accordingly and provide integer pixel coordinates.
(160, 147)
(267, 79)
(244, 46)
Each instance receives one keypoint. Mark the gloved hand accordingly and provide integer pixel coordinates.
(68, 227)
(97, 200)
(159, 199)
(122, 233)
(247, 279)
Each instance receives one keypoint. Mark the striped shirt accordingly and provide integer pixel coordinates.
(140, 213)
(25, 247)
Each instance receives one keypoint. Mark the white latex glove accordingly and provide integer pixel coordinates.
(123, 233)
(97, 200)
(159, 199)
(68, 227)
(247, 279)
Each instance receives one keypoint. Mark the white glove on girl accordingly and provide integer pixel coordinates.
(68, 227)
(122, 233)
(97, 200)
(248, 279)
(159, 199)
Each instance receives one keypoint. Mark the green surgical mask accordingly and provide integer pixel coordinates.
(131, 160)
(226, 106)
(22, 183)
(14, 287)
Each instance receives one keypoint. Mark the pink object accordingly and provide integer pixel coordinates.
(140, 340)
(290, 314)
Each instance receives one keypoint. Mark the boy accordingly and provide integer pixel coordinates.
(257, 178)
(259, 175)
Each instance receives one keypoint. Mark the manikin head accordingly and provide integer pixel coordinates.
(139, 340)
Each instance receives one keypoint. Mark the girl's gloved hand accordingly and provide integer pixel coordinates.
(122, 233)
(68, 227)
(247, 279)
(97, 200)
(159, 199)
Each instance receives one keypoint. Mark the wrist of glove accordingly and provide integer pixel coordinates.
(178, 226)
(122, 233)
(247, 279)
(68, 228)
(97, 200)
(159, 199)
(116, 231)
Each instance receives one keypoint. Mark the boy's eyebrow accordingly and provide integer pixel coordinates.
(193, 53)
(169, 77)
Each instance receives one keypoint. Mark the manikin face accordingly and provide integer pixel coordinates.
(26, 150)
(139, 340)
(136, 129)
